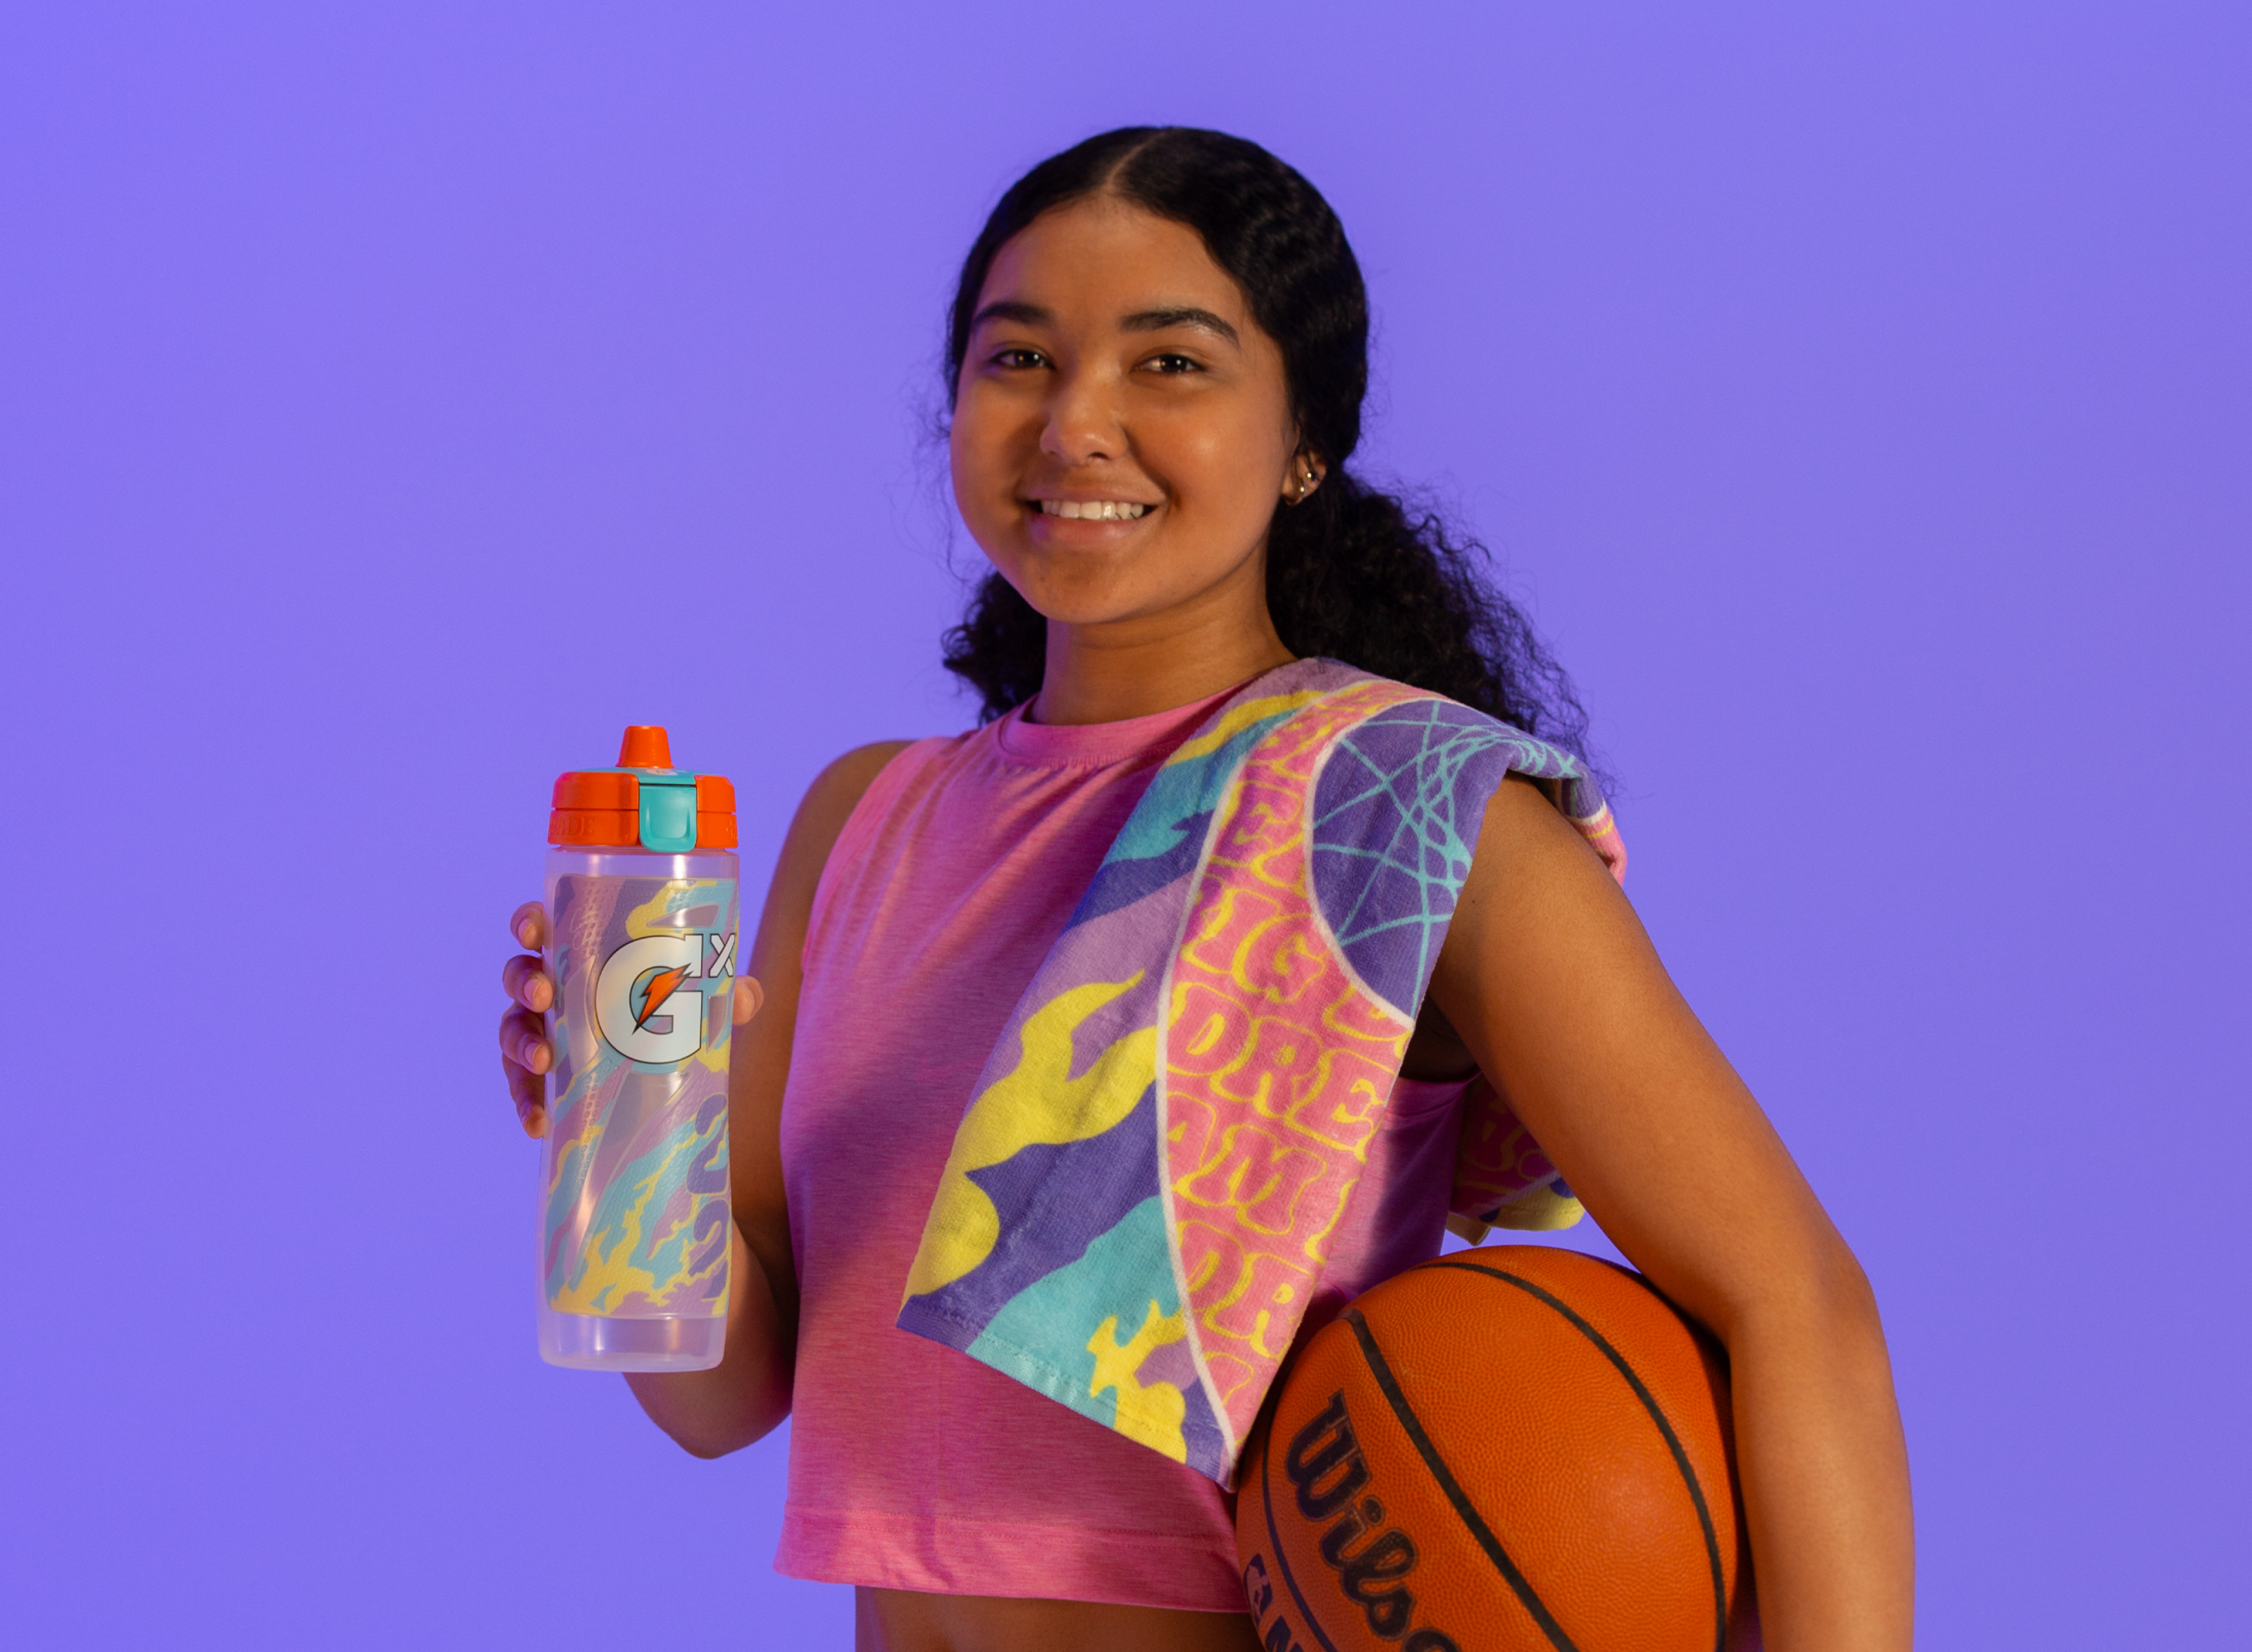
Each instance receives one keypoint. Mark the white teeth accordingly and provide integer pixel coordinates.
(1093, 510)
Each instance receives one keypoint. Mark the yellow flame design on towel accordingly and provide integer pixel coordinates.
(1238, 718)
(1150, 1414)
(1036, 1102)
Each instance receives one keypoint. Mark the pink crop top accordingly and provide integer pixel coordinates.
(912, 1467)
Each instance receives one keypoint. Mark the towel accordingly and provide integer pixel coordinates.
(1139, 1198)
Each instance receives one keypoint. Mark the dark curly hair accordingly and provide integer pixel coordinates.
(1353, 573)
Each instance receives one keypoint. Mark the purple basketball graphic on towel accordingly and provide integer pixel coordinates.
(1396, 818)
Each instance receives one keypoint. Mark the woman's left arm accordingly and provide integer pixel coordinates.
(1551, 982)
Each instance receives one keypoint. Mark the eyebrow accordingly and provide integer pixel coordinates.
(1142, 321)
(1152, 321)
(1012, 309)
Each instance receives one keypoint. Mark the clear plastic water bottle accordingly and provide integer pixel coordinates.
(634, 1229)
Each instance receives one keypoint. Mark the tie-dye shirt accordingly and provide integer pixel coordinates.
(912, 1467)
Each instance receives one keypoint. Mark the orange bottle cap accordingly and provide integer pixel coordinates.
(643, 803)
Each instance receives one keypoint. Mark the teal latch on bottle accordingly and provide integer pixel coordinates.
(668, 812)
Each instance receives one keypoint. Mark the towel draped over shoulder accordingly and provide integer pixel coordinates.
(1140, 1195)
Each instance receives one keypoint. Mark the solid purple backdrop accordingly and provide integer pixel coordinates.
(396, 401)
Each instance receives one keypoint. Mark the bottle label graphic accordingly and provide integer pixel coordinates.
(635, 1210)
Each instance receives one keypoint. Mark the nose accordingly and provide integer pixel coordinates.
(1082, 425)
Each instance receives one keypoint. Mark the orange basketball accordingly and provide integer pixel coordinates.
(1503, 1448)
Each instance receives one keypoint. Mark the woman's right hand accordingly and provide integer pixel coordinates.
(526, 1055)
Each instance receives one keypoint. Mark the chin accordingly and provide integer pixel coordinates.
(1081, 609)
(1081, 595)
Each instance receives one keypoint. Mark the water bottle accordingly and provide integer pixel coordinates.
(634, 1230)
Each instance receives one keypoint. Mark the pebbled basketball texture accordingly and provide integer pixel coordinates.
(1509, 1448)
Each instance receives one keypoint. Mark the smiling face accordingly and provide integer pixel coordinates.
(1122, 426)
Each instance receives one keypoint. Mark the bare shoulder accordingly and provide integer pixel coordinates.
(840, 787)
(829, 802)
(1524, 832)
(1539, 909)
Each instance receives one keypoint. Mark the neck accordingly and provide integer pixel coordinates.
(1122, 669)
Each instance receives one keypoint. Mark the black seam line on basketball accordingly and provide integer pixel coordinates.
(1656, 1415)
(1389, 1385)
(1275, 1539)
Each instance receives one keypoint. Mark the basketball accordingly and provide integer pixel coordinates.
(1508, 1448)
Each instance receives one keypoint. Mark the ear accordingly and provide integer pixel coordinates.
(1302, 475)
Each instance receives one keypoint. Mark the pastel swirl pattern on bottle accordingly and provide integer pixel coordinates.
(635, 1213)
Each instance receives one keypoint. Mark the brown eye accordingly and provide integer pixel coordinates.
(1173, 363)
(1019, 356)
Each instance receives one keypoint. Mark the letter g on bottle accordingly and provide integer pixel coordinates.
(661, 1036)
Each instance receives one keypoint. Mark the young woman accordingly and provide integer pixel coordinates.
(1157, 355)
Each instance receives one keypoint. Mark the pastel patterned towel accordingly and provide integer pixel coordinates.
(1140, 1195)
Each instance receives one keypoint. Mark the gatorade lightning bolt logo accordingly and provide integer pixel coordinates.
(641, 1005)
(659, 989)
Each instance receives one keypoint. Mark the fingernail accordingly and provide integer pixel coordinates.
(524, 933)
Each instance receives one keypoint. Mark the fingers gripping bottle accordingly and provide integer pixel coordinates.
(634, 1226)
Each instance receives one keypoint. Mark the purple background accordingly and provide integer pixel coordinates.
(396, 401)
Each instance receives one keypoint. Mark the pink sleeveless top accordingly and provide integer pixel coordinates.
(912, 1467)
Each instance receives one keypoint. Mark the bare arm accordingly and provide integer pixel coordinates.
(1552, 983)
(711, 1412)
